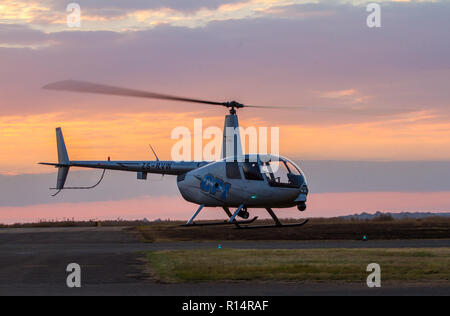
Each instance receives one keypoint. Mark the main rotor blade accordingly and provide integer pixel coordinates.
(341, 110)
(88, 87)
(276, 107)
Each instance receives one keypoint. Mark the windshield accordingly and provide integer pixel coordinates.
(282, 172)
(279, 171)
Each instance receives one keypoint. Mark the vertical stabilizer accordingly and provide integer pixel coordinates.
(63, 158)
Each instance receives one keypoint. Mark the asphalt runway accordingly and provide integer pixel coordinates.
(33, 262)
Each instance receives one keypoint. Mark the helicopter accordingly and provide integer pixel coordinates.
(236, 181)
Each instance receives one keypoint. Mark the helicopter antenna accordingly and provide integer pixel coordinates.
(157, 159)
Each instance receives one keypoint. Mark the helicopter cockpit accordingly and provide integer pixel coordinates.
(279, 171)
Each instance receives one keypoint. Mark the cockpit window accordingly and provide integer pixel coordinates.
(252, 171)
(282, 173)
(276, 171)
(279, 171)
(292, 169)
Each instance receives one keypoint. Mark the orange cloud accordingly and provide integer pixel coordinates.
(410, 137)
(26, 140)
(42, 14)
(21, 11)
(339, 93)
(351, 96)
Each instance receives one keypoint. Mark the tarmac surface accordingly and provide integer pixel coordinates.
(33, 262)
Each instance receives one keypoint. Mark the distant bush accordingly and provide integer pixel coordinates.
(383, 218)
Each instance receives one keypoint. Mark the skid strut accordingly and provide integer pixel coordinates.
(231, 221)
(230, 215)
(277, 222)
(236, 213)
(195, 215)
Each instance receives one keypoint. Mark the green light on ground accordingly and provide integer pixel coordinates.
(253, 196)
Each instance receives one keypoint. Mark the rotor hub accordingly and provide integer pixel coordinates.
(233, 105)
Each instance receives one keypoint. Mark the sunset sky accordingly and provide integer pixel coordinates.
(376, 136)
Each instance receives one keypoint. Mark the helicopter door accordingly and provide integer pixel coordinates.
(232, 170)
(253, 179)
(252, 171)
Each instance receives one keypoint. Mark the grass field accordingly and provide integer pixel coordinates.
(315, 229)
(347, 265)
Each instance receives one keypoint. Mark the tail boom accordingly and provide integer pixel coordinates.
(141, 167)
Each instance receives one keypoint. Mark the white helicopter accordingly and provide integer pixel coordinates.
(236, 181)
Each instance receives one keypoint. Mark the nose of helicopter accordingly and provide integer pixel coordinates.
(301, 198)
(187, 185)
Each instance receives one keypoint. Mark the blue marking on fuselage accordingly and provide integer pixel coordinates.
(212, 185)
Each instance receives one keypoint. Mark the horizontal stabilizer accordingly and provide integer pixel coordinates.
(55, 164)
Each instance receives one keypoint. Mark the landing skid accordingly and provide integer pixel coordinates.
(221, 223)
(233, 221)
(274, 226)
(278, 224)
